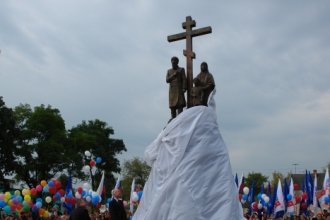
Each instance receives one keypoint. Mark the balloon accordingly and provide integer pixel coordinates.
(38, 204)
(95, 200)
(7, 195)
(83, 193)
(78, 196)
(46, 214)
(244, 197)
(24, 192)
(135, 198)
(266, 199)
(102, 208)
(73, 201)
(327, 199)
(58, 184)
(38, 188)
(137, 189)
(7, 209)
(255, 206)
(125, 203)
(92, 163)
(94, 194)
(263, 196)
(70, 195)
(240, 197)
(52, 190)
(303, 206)
(297, 199)
(98, 160)
(61, 192)
(58, 195)
(27, 198)
(67, 200)
(51, 183)
(243, 201)
(17, 193)
(246, 190)
(62, 199)
(43, 183)
(87, 153)
(140, 193)
(2, 203)
(109, 200)
(295, 186)
(2, 196)
(45, 189)
(259, 206)
(88, 198)
(41, 211)
(48, 199)
(33, 191)
(27, 192)
(79, 190)
(304, 195)
(39, 200)
(289, 197)
(259, 196)
(87, 186)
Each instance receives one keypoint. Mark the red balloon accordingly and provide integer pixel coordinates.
(137, 190)
(295, 186)
(52, 190)
(297, 199)
(73, 201)
(58, 184)
(240, 197)
(255, 206)
(92, 163)
(98, 205)
(67, 200)
(61, 192)
(33, 191)
(303, 206)
(304, 195)
(80, 190)
(54, 198)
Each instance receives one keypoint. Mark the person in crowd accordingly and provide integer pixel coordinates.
(80, 213)
(116, 206)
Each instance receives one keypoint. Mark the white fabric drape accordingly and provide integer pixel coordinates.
(191, 176)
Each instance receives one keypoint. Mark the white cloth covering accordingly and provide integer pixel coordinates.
(191, 177)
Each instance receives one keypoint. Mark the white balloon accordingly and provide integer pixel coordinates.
(62, 199)
(88, 198)
(48, 199)
(100, 198)
(87, 186)
(90, 192)
(246, 190)
(259, 206)
(94, 194)
(263, 196)
(266, 199)
(135, 198)
(78, 196)
(102, 208)
(243, 201)
(87, 153)
(87, 168)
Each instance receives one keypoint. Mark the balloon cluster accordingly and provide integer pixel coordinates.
(137, 195)
(244, 197)
(89, 195)
(91, 162)
(23, 201)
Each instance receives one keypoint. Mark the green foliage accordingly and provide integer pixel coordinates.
(259, 181)
(324, 169)
(41, 148)
(135, 168)
(94, 136)
(8, 138)
(277, 176)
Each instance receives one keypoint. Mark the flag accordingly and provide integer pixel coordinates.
(251, 196)
(270, 203)
(290, 203)
(325, 187)
(68, 193)
(309, 188)
(279, 201)
(118, 184)
(315, 202)
(101, 186)
(241, 183)
(285, 191)
(236, 181)
(131, 204)
(303, 202)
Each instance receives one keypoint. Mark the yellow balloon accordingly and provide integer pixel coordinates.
(24, 192)
(7, 195)
(17, 193)
(27, 198)
(46, 214)
(28, 192)
(10, 202)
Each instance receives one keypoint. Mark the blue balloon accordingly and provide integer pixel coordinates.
(45, 189)
(95, 200)
(58, 195)
(70, 195)
(109, 200)
(2, 204)
(83, 193)
(39, 200)
(289, 196)
(259, 196)
(244, 197)
(7, 209)
(140, 193)
(38, 205)
(327, 199)
(51, 183)
(98, 160)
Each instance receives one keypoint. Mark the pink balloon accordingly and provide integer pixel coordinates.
(39, 188)
(2, 196)
(125, 203)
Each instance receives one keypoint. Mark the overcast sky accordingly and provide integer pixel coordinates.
(108, 60)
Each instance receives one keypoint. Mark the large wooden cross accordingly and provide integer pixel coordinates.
(188, 52)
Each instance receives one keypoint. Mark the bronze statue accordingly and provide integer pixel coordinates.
(197, 93)
(207, 82)
(176, 77)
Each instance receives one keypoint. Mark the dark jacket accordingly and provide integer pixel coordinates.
(79, 213)
(117, 210)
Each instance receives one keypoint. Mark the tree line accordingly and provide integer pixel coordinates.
(35, 145)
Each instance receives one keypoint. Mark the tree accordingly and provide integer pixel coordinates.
(324, 169)
(41, 148)
(276, 177)
(94, 136)
(137, 169)
(8, 137)
(259, 181)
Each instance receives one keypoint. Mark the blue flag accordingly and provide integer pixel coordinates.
(270, 203)
(68, 193)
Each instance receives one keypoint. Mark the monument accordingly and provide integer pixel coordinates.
(191, 176)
